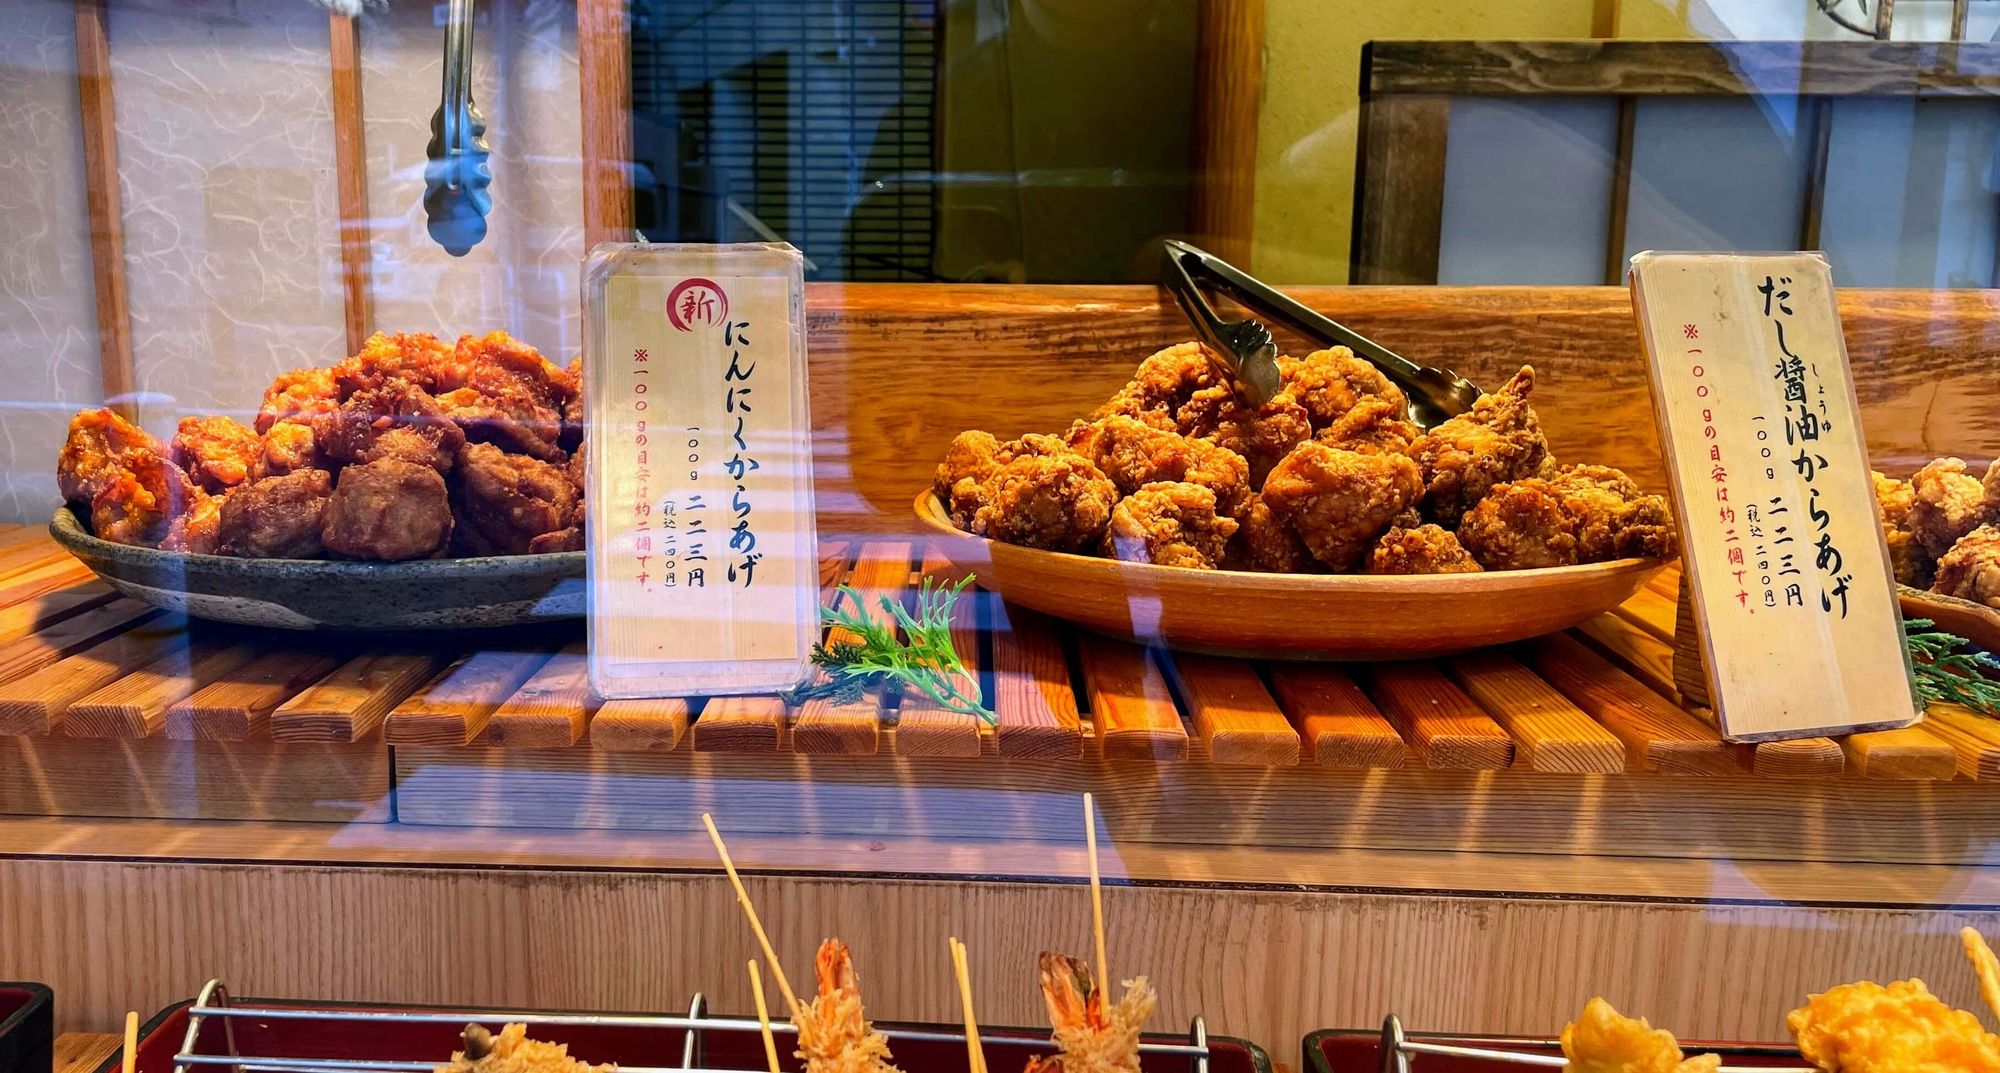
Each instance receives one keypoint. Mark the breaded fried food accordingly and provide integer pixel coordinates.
(1059, 501)
(1946, 503)
(1328, 383)
(1614, 519)
(1374, 424)
(572, 407)
(513, 1052)
(962, 480)
(570, 539)
(1600, 1040)
(512, 396)
(1425, 549)
(290, 446)
(1262, 435)
(417, 357)
(1520, 525)
(505, 501)
(1134, 454)
(834, 1033)
(1902, 1028)
(1339, 501)
(397, 419)
(1163, 383)
(1498, 440)
(277, 517)
(146, 504)
(218, 452)
(1264, 543)
(96, 453)
(302, 393)
(1169, 523)
(1893, 500)
(388, 509)
(200, 533)
(1971, 569)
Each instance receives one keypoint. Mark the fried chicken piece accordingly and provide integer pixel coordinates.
(200, 533)
(1169, 524)
(397, 419)
(513, 1052)
(218, 452)
(97, 452)
(1330, 382)
(505, 501)
(1971, 569)
(1339, 501)
(418, 357)
(388, 509)
(1902, 1028)
(1497, 440)
(1134, 454)
(1600, 1040)
(1893, 500)
(147, 504)
(834, 1033)
(1263, 435)
(570, 539)
(1091, 1035)
(1614, 519)
(302, 394)
(1162, 384)
(277, 517)
(1264, 543)
(572, 407)
(291, 445)
(1060, 502)
(1425, 549)
(963, 479)
(1374, 424)
(512, 396)
(1520, 525)
(1945, 503)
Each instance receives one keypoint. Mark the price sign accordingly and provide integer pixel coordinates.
(701, 542)
(1787, 573)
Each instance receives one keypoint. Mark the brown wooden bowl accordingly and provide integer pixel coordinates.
(1974, 622)
(1289, 616)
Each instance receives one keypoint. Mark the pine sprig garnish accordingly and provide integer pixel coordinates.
(1941, 669)
(923, 659)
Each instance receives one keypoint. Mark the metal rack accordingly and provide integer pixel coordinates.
(1399, 1048)
(213, 1001)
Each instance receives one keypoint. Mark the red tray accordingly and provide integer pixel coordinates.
(27, 1028)
(1346, 1050)
(722, 1048)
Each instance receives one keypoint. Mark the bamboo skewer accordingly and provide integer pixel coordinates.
(764, 1017)
(974, 1052)
(1096, 892)
(131, 1056)
(757, 926)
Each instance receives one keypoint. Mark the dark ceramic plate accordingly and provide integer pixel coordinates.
(318, 594)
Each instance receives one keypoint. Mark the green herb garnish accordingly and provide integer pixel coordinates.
(1941, 669)
(925, 661)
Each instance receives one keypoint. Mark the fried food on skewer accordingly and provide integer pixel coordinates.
(513, 1052)
(1601, 1040)
(1984, 965)
(1902, 1028)
(1090, 1036)
(1169, 524)
(834, 1033)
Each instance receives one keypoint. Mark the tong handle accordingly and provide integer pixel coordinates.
(1226, 342)
(456, 176)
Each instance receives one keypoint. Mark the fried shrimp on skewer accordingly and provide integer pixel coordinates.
(1090, 1036)
(834, 1033)
(513, 1052)
(1601, 1040)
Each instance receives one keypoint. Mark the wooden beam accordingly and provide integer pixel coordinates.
(104, 204)
(1684, 68)
(604, 77)
(1229, 82)
(1399, 189)
(350, 174)
(1819, 128)
(1621, 193)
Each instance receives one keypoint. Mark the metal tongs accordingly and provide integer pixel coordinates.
(1245, 352)
(456, 198)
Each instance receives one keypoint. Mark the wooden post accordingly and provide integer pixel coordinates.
(105, 205)
(1229, 81)
(604, 77)
(350, 170)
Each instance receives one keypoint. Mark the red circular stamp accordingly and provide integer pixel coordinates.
(696, 301)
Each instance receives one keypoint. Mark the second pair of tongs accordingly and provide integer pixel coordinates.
(457, 175)
(1245, 351)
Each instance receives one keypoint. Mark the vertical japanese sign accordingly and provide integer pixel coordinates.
(701, 544)
(1787, 567)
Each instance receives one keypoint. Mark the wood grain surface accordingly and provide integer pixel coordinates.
(83, 1052)
(754, 724)
(1447, 729)
(1550, 733)
(158, 777)
(1032, 695)
(651, 723)
(67, 636)
(853, 728)
(550, 709)
(237, 706)
(350, 172)
(1974, 738)
(604, 81)
(1338, 725)
(1229, 82)
(923, 727)
(350, 704)
(1130, 706)
(1399, 188)
(1236, 721)
(453, 707)
(104, 204)
(1609, 68)
(1657, 735)
(39, 703)
(1906, 753)
(135, 706)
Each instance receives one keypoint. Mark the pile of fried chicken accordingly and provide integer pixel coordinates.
(1943, 526)
(414, 448)
(1328, 475)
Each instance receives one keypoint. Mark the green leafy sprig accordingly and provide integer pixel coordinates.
(923, 659)
(1942, 670)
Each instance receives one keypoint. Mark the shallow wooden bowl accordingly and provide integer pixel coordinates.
(1974, 622)
(1289, 616)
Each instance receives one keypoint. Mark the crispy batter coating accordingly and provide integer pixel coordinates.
(512, 396)
(1060, 502)
(834, 1033)
(1262, 435)
(964, 479)
(513, 1052)
(1893, 500)
(1091, 1035)
(388, 509)
(1600, 1040)
(1134, 454)
(1163, 383)
(1946, 503)
(417, 357)
(1328, 383)
(1425, 549)
(277, 517)
(290, 446)
(301, 393)
(505, 501)
(1265, 543)
(1373, 425)
(1339, 501)
(570, 539)
(201, 531)
(1497, 440)
(397, 419)
(218, 452)
(1520, 525)
(1614, 519)
(572, 407)
(146, 504)
(96, 453)
(1971, 569)
(1169, 523)
(1902, 1028)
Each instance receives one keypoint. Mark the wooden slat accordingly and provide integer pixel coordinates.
(922, 727)
(104, 205)
(1236, 721)
(1684, 68)
(1448, 729)
(854, 728)
(1399, 190)
(752, 724)
(160, 778)
(1658, 736)
(637, 725)
(1974, 739)
(1652, 612)
(1621, 192)
(135, 706)
(1229, 79)
(16, 560)
(1905, 753)
(1338, 725)
(237, 706)
(42, 580)
(453, 707)
(1801, 758)
(350, 174)
(1032, 692)
(1818, 120)
(69, 636)
(30, 616)
(350, 704)
(39, 703)
(1550, 733)
(1130, 704)
(604, 79)
(551, 709)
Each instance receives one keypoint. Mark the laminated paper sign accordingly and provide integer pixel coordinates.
(1792, 594)
(701, 541)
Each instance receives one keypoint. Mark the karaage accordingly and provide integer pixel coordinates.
(1498, 440)
(1374, 425)
(504, 501)
(572, 408)
(146, 504)
(1902, 1028)
(388, 509)
(1134, 454)
(290, 446)
(1520, 525)
(1169, 524)
(218, 452)
(1971, 569)
(1946, 503)
(963, 479)
(301, 393)
(1265, 543)
(418, 358)
(1262, 435)
(1614, 519)
(1893, 500)
(1328, 383)
(1425, 549)
(1060, 502)
(1339, 501)
(200, 532)
(512, 396)
(277, 517)
(1163, 383)
(396, 419)
(1601, 1040)
(97, 452)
